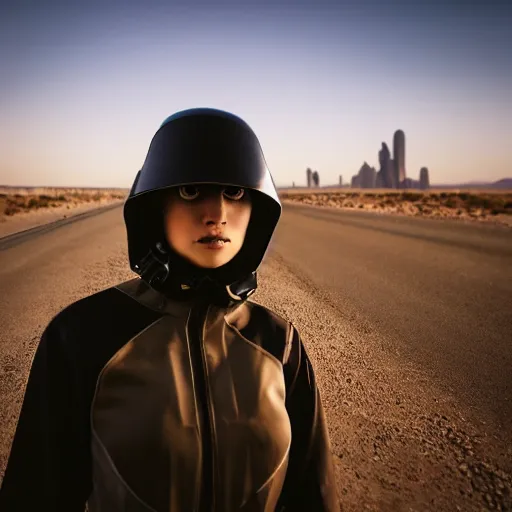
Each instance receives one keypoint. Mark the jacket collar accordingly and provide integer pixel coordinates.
(179, 301)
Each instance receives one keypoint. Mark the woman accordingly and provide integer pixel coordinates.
(173, 391)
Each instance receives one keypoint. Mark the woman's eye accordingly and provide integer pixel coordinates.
(189, 192)
(234, 193)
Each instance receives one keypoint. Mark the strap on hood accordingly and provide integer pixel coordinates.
(188, 282)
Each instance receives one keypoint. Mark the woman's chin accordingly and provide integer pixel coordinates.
(214, 261)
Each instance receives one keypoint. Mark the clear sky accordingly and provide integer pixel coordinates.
(84, 85)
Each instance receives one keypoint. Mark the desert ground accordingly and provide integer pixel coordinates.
(487, 205)
(406, 320)
(23, 208)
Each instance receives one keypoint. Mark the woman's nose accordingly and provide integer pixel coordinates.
(214, 209)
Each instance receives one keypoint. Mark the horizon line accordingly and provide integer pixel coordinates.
(336, 185)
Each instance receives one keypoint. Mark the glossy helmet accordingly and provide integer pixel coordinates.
(199, 146)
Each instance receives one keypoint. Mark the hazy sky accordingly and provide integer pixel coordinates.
(85, 85)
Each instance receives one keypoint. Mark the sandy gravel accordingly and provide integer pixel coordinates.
(399, 443)
(383, 203)
(38, 217)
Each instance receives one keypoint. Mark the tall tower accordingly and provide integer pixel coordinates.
(424, 178)
(399, 157)
(387, 176)
(316, 179)
(368, 176)
(308, 177)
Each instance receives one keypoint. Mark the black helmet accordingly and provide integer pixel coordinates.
(199, 146)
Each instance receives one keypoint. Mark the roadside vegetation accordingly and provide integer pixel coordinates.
(11, 204)
(478, 205)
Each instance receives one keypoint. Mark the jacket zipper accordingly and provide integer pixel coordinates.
(197, 321)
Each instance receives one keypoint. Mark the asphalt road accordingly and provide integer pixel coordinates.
(408, 323)
(439, 291)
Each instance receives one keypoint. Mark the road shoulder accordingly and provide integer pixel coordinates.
(24, 221)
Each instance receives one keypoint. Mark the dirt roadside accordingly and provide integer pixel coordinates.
(399, 442)
(487, 206)
(25, 211)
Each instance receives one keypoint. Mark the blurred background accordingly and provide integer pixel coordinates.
(85, 85)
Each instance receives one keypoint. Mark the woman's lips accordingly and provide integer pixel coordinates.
(214, 244)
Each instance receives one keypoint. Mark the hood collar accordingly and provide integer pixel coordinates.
(177, 302)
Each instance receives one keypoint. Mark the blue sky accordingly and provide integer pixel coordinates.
(85, 85)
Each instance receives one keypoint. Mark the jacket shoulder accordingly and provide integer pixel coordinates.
(267, 329)
(271, 314)
(98, 306)
(102, 321)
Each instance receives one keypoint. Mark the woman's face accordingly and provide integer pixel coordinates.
(193, 212)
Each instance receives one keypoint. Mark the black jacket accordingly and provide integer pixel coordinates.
(137, 402)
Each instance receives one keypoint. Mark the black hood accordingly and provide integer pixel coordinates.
(199, 146)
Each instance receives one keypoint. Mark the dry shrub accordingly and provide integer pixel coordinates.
(493, 204)
(44, 201)
(412, 196)
(435, 203)
(452, 202)
(11, 204)
(80, 196)
(11, 210)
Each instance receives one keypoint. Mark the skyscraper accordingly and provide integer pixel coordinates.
(424, 179)
(308, 177)
(399, 157)
(368, 176)
(356, 181)
(387, 177)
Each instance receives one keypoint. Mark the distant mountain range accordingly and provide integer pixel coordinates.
(502, 184)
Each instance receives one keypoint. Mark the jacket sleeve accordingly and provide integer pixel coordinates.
(47, 467)
(310, 481)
